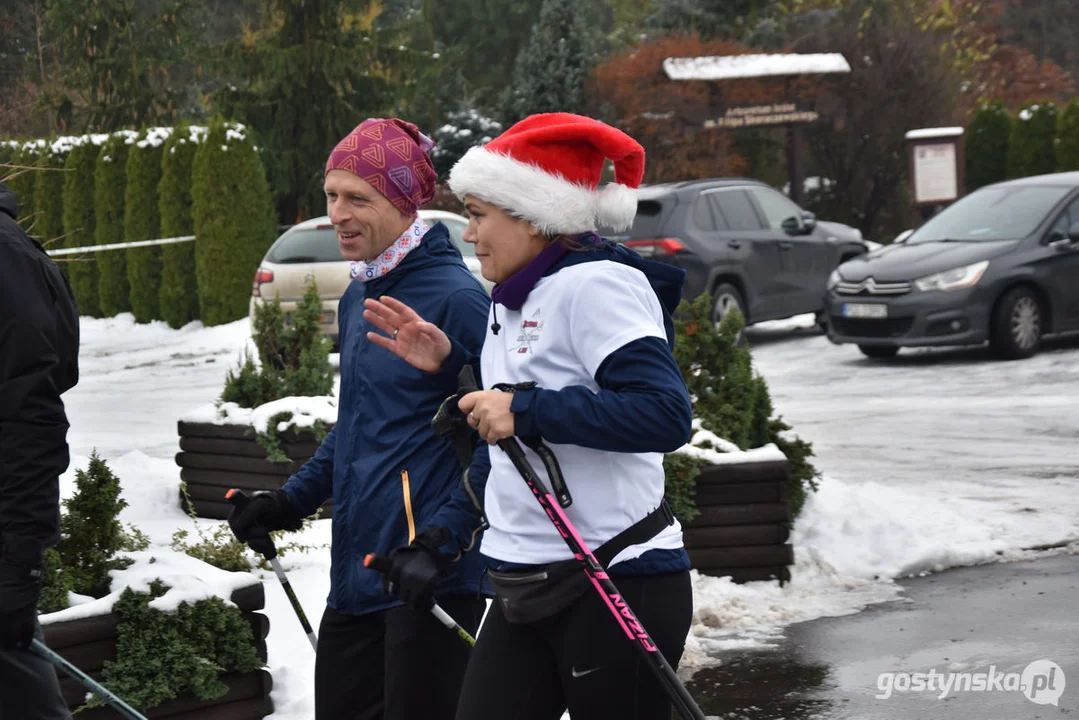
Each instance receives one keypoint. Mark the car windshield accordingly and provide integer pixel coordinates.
(995, 213)
(306, 246)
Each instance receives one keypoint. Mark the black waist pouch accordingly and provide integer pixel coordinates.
(533, 595)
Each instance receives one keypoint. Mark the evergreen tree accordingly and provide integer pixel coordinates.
(234, 221)
(312, 73)
(22, 178)
(110, 185)
(1068, 143)
(79, 221)
(550, 72)
(709, 18)
(462, 130)
(48, 195)
(179, 296)
(987, 146)
(142, 222)
(1032, 148)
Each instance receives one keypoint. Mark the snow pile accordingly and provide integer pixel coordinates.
(749, 66)
(706, 445)
(155, 137)
(189, 581)
(306, 410)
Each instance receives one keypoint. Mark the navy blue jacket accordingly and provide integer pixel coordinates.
(390, 476)
(642, 405)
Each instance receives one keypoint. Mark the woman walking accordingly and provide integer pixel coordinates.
(578, 355)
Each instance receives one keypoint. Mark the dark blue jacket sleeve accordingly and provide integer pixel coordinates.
(642, 405)
(313, 484)
(465, 322)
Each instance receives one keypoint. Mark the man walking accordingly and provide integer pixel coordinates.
(395, 484)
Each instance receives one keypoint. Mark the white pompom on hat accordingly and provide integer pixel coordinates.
(546, 169)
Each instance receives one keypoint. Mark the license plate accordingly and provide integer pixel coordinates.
(865, 310)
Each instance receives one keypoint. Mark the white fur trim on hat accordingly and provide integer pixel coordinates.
(549, 201)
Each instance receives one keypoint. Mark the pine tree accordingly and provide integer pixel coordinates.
(142, 222)
(110, 185)
(987, 146)
(550, 72)
(462, 130)
(22, 180)
(179, 289)
(234, 221)
(79, 221)
(1068, 143)
(1032, 148)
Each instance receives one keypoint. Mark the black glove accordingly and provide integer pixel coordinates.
(266, 511)
(415, 570)
(20, 586)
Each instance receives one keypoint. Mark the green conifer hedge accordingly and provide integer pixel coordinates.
(987, 146)
(1032, 149)
(142, 222)
(1068, 140)
(79, 220)
(110, 184)
(179, 289)
(234, 221)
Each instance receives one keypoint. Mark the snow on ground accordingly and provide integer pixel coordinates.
(934, 460)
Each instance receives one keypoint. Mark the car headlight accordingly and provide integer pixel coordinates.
(834, 279)
(957, 279)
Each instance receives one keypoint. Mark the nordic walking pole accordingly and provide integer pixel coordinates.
(239, 500)
(382, 565)
(635, 632)
(39, 648)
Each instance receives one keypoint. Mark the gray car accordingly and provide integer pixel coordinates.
(743, 242)
(1001, 266)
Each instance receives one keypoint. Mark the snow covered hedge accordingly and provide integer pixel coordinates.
(179, 289)
(234, 219)
(110, 187)
(80, 219)
(142, 221)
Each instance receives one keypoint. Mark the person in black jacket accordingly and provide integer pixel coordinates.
(39, 349)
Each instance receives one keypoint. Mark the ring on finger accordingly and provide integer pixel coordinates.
(395, 331)
(472, 415)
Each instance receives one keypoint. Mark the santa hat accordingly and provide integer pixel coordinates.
(546, 169)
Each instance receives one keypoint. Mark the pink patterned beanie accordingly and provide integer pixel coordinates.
(391, 155)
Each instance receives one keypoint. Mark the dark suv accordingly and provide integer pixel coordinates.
(748, 245)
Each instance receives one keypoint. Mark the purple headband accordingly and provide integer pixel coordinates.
(391, 155)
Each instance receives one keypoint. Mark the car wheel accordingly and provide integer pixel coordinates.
(1018, 325)
(726, 299)
(879, 352)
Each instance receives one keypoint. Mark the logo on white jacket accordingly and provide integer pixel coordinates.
(530, 334)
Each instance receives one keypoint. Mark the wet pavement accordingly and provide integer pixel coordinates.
(964, 621)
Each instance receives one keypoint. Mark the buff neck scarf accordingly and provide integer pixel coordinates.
(393, 255)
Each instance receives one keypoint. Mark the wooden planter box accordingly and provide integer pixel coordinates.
(744, 524)
(89, 642)
(214, 458)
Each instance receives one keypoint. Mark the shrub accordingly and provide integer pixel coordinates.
(142, 222)
(295, 358)
(161, 655)
(179, 295)
(731, 401)
(110, 185)
(91, 536)
(462, 131)
(1032, 147)
(234, 221)
(22, 179)
(987, 146)
(79, 221)
(1068, 143)
(48, 196)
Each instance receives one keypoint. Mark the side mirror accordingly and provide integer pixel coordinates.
(809, 221)
(902, 237)
(1073, 233)
(791, 226)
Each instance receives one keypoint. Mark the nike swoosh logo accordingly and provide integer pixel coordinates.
(573, 671)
